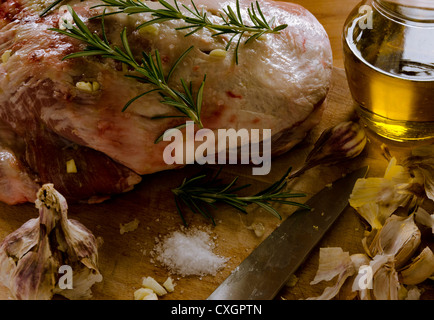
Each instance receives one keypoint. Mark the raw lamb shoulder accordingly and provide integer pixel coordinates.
(280, 83)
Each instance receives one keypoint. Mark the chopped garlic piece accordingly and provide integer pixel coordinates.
(95, 86)
(71, 167)
(258, 228)
(152, 30)
(151, 283)
(169, 285)
(292, 281)
(6, 55)
(145, 294)
(65, 17)
(87, 86)
(218, 53)
(84, 86)
(130, 226)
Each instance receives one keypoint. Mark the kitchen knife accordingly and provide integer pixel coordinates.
(266, 270)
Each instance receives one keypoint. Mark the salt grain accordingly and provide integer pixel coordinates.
(189, 252)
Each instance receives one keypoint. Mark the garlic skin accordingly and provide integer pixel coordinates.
(333, 262)
(375, 199)
(421, 164)
(31, 256)
(399, 237)
(342, 142)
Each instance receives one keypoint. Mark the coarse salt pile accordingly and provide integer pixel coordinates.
(189, 252)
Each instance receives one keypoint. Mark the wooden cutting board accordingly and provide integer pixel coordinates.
(125, 259)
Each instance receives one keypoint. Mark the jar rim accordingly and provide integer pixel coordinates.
(421, 11)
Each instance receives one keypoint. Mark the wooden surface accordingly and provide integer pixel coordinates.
(125, 259)
(332, 15)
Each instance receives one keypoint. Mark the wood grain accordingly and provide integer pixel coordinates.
(332, 15)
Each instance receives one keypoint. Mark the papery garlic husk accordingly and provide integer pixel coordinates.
(421, 163)
(375, 199)
(424, 218)
(385, 282)
(31, 256)
(420, 269)
(346, 292)
(399, 237)
(378, 280)
(333, 262)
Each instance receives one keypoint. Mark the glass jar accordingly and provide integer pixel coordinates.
(389, 62)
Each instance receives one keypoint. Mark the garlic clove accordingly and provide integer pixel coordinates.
(31, 256)
(399, 237)
(385, 282)
(33, 277)
(378, 280)
(420, 269)
(342, 142)
(375, 199)
(423, 217)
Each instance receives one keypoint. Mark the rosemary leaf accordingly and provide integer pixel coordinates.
(51, 6)
(197, 193)
(150, 70)
(196, 20)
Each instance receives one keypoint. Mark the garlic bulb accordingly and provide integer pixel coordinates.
(32, 256)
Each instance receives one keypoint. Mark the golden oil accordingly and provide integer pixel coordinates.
(389, 61)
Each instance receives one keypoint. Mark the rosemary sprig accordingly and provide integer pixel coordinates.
(200, 194)
(150, 70)
(231, 21)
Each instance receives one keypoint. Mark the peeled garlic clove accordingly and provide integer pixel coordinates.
(31, 256)
(420, 269)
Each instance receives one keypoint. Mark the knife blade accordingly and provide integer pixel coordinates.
(266, 270)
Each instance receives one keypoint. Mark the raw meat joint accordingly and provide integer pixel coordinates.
(62, 122)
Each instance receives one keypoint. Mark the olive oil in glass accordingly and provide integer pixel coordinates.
(389, 61)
